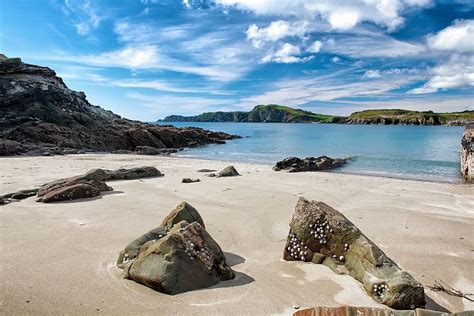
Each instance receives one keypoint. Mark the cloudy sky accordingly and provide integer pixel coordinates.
(146, 59)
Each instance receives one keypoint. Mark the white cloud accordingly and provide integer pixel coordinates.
(370, 74)
(457, 72)
(458, 37)
(315, 47)
(276, 31)
(373, 45)
(83, 16)
(341, 14)
(344, 20)
(286, 54)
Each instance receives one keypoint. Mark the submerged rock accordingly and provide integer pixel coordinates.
(176, 257)
(228, 171)
(371, 311)
(467, 154)
(189, 180)
(320, 234)
(322, 163)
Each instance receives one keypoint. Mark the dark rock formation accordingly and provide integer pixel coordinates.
(467, 154)
(206, 170)
(320, 234)
(75, 191)
(147, 150)
(371, 311)
(37, 109)
(19, 195)
(176, 257)
(90, 184)
(295, 164)
(190, 180)
(228, 171)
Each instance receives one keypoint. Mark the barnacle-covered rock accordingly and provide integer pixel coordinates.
(176, 257)
(320, 234)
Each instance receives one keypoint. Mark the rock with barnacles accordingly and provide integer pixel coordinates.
(176, 257)
(371, 311)
(182, 212)
(71, 192)
(320, 234)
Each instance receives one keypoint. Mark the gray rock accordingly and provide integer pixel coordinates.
(132, 173)
(320, 234)
(206, 170)
(295, 164)
(228, 171)
(189, 180)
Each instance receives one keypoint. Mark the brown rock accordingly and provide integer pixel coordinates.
(371, 311)
(71, 192)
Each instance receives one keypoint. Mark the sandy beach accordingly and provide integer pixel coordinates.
(60, 258)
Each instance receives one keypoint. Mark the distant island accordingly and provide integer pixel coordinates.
(273, 113)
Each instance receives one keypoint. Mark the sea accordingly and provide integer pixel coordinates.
(427, 153)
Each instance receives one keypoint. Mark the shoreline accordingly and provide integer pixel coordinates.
(66, 252)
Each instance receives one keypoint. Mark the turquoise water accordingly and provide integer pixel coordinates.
(413, 152)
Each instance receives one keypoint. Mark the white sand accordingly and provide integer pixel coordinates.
(59, 258)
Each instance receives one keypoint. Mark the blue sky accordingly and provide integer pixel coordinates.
(145, 59)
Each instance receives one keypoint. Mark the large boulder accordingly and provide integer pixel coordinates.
(322, 163)
(467, 154)
(320, 234)
(176, 257)
(132, 173)
(71, 192)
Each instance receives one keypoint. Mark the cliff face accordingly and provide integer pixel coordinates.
(467, 154)
(38, 110)
(405, 117)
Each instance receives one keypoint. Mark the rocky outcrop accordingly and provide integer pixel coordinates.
(147, 150)
(228, 171)
(176, 257)
(295, 164)
(467, 154)
(38, 111)
(371, 311)
(320, 234)
(90, 184)
(18, 195)
(190, 180)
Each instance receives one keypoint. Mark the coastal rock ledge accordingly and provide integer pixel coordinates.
(177, 256)
(40, 115)
(322, 163)
(320, 234)
(467, 153)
